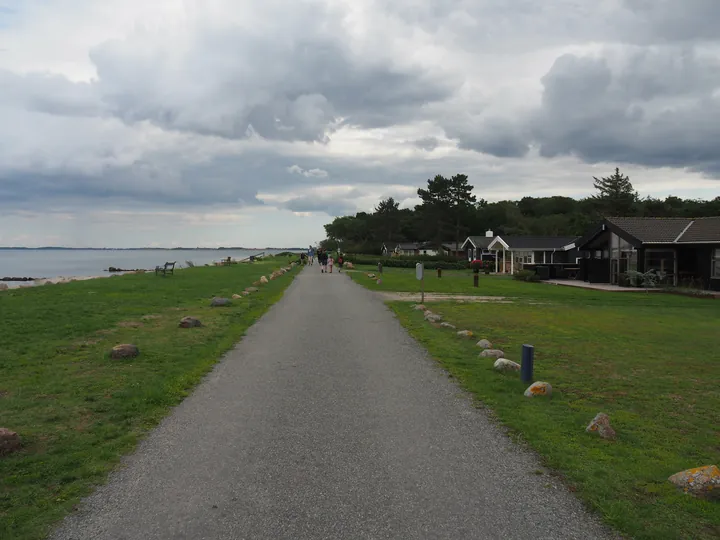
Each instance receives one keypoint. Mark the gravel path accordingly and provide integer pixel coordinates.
(328, 421)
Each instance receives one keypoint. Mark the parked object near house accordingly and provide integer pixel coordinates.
(681, 251)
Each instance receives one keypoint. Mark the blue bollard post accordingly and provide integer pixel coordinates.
(528, 359)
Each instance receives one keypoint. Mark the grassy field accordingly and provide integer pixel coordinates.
(651, 361)
(78, 411)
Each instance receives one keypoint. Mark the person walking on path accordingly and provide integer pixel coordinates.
(330, 263)
(340, 263)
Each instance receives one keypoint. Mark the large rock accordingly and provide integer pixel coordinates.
(701, 482)
(448, 325)
(503, 364)
(4, 287)
(492, 353)
(263, 279)
(601, 425)
(251, 289)
(484, 344)
(236, 297)
(220, 302)
(371, 276)
(126, 350)
(432, 317)
(189, 322)
(539, 389)
(9, 442)
(465, 333)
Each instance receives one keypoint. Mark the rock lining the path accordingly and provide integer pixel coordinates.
(465, 333)
(539, 388)
(448, 325)
(189, 322)
(9, 441)
(492, 353)
(601, 425)
(251, 289)
(701, 482)
(125, 350)
(503, 364)
(220, 302)
(484, 344)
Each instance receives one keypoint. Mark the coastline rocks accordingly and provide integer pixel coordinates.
(9, 442)
(18, 279)
(484, 344)
(189, 322)
(701, 482)
(503, 364)
(539, 389)
(601, 425)
(465, 333)
(126, 350)
(492, 353)
(263, 280)
(220, 302)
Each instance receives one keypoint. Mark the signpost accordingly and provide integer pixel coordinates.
(420, 275)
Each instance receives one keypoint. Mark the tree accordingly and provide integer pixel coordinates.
(451, 200)
(616, 195)
(388, 212)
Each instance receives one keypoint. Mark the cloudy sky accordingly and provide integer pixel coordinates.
(239, 122)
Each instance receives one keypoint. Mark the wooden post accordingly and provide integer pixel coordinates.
(476, 278)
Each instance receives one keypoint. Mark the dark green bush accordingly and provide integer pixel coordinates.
(526, 275)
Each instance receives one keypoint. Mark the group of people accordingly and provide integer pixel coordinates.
(325, 260)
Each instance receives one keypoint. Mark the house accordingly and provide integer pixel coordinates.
(477, 246)
(450, 249)
(516, 253)
(685, 250)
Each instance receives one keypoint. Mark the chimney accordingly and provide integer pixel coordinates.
(489, 234)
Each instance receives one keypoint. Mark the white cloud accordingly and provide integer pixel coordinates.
(218, 114)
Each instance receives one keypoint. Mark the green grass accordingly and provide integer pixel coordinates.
(78, 411)
(651, 361)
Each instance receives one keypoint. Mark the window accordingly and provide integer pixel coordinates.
(716, 263)
(523, 257)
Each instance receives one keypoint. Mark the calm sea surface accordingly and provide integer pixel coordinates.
(47, 263)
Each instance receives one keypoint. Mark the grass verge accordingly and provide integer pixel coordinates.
(79, 412)
(651, 361)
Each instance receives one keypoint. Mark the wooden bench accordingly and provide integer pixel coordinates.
(167, 268)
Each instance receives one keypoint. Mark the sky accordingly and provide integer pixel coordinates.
(128, 123)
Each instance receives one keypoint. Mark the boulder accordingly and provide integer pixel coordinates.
(448, 325)
(371, 276)
(465, 333)
(492, 353)
(701, 482)
(420, 307)
(4, 287)
(263, 279)
(539, 388)
(503, 364)
(251, 289)
(236, 296)
(189, 322)
(125, 350)
(484, 344)
(601, 425)
(432, 317)
(9, 441)
(220, 302)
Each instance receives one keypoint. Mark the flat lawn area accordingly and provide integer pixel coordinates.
(78, 411)
(651, 361)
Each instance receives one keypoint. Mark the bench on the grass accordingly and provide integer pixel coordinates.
(167, 268)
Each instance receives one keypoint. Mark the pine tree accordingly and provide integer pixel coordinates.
(616, 195)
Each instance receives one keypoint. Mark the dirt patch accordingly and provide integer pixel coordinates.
(130, 324)
(441, 297)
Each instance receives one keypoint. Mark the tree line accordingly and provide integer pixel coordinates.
(449, 211)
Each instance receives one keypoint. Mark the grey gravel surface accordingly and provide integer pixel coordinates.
(328, 421)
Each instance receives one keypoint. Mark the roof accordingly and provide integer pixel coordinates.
(536, 243)
(649, 230)
(408, 245)
(481, 241)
